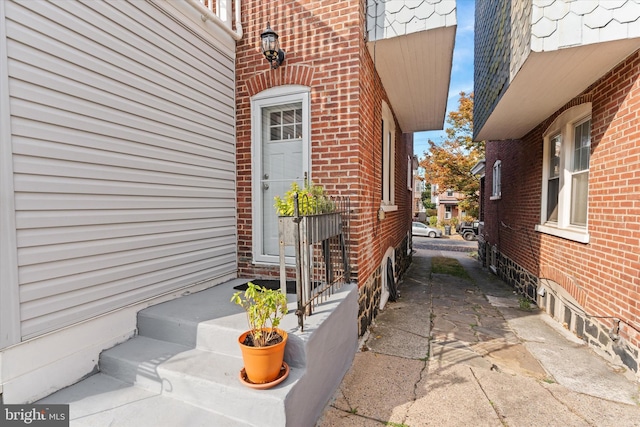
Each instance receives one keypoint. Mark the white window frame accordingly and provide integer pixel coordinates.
(271, 97)
(448, 212)
(496, 181)
(388, 155)
(563, 125)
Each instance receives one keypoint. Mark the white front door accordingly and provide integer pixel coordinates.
(281, 139)
(281, 165)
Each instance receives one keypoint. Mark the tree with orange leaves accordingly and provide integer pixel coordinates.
(448, 163)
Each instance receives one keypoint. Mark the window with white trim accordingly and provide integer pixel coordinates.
(565, 180)
(447, 212)
(388, 158)
(580, 173)
(496, 188)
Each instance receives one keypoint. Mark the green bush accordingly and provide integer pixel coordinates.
(433, 220)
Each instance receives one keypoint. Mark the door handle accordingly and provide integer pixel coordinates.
(265, 186)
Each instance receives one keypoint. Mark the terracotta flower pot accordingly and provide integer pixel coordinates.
(262, 364)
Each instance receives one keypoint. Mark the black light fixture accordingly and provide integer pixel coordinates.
(271, 47)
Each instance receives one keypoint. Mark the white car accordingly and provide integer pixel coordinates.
(419, 229)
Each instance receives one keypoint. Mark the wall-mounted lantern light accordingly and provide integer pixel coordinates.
(271, 47)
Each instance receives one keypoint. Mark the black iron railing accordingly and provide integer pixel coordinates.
(321, 242)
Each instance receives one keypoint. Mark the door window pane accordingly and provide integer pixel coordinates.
(287, 132)
(288, 116)
(285, 122)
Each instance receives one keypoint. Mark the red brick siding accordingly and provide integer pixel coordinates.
(325, 48)
(604, 274)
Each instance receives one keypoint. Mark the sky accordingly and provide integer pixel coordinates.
(461, 72)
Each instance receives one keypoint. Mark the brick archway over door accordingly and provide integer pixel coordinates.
(295, 74)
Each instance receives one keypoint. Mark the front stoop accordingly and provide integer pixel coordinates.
(183, 367)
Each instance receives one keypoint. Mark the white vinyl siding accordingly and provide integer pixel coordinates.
(123, 133)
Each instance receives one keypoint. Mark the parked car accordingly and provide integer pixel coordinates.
(419, 229)
(468, 230)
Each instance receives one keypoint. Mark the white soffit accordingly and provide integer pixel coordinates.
(547, 81)
(415, 70)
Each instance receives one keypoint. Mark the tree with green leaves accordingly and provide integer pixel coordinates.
(448, 163)
(426, 197)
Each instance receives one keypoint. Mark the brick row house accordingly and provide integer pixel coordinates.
(141, 145)
(557, 91)
(360, 77)
(447, 205)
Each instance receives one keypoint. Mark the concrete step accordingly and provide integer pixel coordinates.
(101, 400)
(137, 360)
(209, 335)
(201, 378)
(205, 320)
(186, 362)
(211, 381)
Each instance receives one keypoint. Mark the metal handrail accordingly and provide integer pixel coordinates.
(321, 242)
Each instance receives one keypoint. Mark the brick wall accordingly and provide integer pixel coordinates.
(326, 51)
(602, 276)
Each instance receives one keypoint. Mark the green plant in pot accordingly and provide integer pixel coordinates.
(263, 344)
(312, 199)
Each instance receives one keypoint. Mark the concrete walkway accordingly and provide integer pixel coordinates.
(461, 352)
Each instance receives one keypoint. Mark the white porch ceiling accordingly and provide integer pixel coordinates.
(415, 70)
(546, 82)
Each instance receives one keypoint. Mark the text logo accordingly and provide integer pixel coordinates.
(34, 415)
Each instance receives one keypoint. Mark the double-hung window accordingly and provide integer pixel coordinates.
(496, 187)
(553, 177)
(388, 148)
(448, 210)
(580, 173)
(565, 180)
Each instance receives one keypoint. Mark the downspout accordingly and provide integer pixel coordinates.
(208, 14)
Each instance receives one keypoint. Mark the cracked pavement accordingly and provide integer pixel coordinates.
(460, 352)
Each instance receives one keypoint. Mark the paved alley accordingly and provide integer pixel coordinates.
(461, 352)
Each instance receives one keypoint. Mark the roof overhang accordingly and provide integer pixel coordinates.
(478, 168)
(546, 82)
(415, 70)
